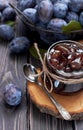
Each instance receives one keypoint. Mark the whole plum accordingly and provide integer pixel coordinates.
(23, 4)
(76, 5)
(71, 16)
(8, 14)
(60, 9)
(19, 45)
(6, 32)
(31, 13)
(56, 24)
(81, 18)
(45, 11)
(12, 94)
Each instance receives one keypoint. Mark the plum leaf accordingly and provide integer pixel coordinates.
(10, 23)
(33, 52)
(71, 26)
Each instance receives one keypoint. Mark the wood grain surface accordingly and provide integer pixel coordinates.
(26, 116)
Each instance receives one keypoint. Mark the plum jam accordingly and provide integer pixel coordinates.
(66, 59)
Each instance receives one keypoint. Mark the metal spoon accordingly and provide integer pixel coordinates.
(30, 73)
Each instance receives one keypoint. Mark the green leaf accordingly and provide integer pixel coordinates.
(71, 26)
(33, 52)
(10, 23)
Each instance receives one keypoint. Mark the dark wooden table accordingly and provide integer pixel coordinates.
(26, 116)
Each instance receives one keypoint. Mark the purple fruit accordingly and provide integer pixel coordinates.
(31, 13)
(71, 16)
(12, 94)
(6, 32)
(76, 5)
(60, 10)
(56, 24)
(19, 45)
(8, 14)
(23, 4)
(45, 11)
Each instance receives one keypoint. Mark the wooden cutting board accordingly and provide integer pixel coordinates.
(73, 103)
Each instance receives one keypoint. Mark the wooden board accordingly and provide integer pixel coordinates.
(73, 103)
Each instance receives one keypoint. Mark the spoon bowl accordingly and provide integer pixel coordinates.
(30, 72)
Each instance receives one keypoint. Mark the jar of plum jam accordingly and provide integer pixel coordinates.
(65, 60)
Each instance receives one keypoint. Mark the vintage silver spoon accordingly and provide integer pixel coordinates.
(30, 73)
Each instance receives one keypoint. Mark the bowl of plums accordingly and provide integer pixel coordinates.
(64, 64)
(54, 23)
(53, 20)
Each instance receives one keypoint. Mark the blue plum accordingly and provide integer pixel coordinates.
(56, 24)
(8, 14)
(45, 11)
(19, 45)
(6, 32)
(76, 5)
(71, 16)
(31, 13)
(23, 4)
(12, 94)
(60, 10)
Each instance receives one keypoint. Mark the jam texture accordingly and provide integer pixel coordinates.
(66, 59)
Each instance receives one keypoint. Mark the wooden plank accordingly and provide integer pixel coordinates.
(78, 125)
(11, 72)
(12, 118)
(42, 121)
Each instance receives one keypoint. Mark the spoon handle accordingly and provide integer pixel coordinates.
(64, 113)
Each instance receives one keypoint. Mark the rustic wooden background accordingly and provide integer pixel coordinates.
(26, 116)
